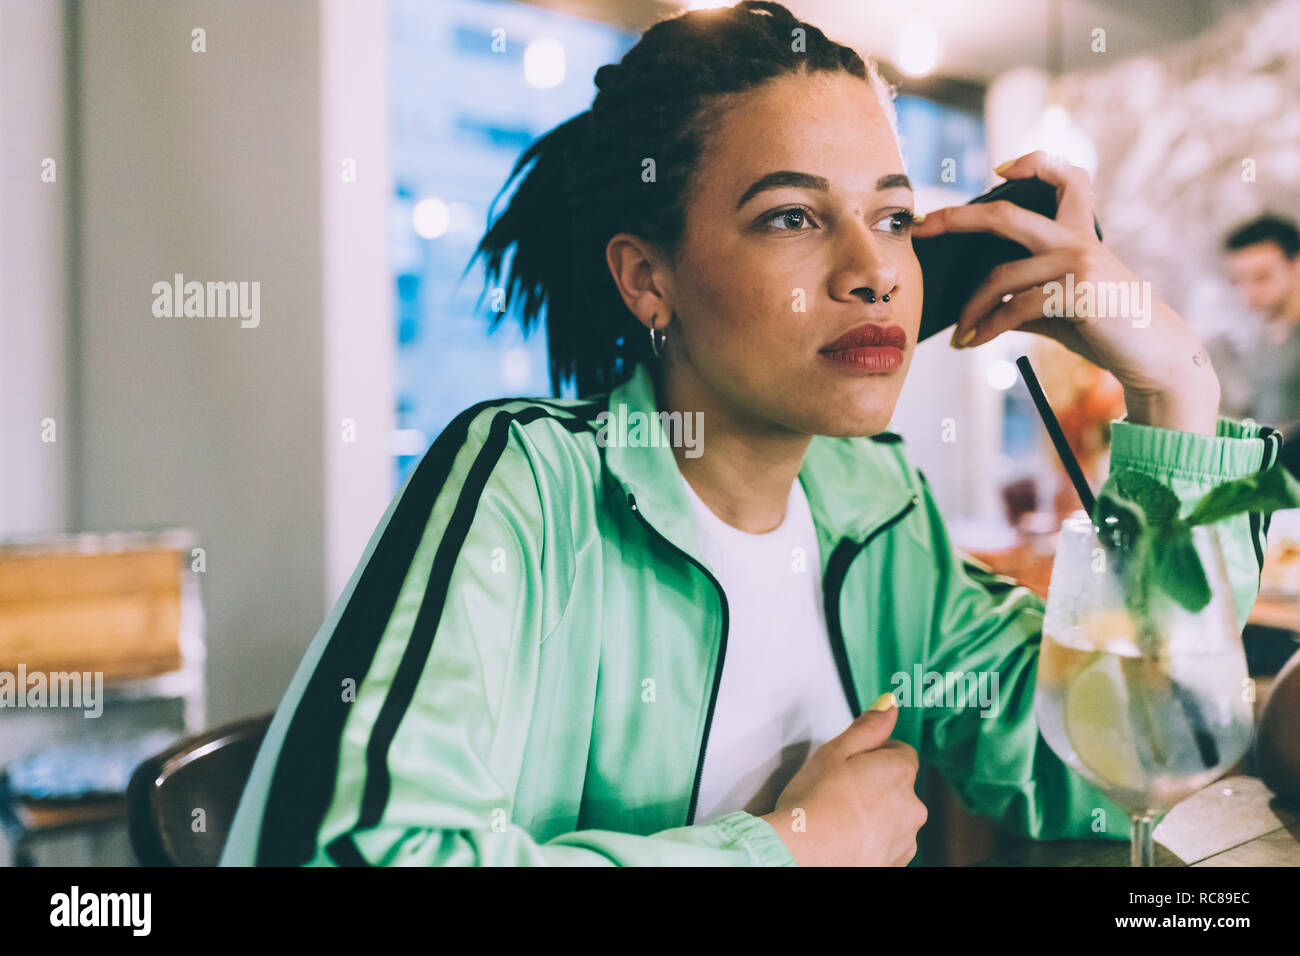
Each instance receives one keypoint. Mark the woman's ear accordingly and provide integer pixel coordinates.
(643, 281)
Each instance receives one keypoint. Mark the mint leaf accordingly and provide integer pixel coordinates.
(1118, 512)
(1158, 503)
(1266, 492)
(1179, 570)
(1150, 547)
(1138, 518)
(1132, 508)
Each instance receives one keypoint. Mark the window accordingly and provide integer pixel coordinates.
(463, 109)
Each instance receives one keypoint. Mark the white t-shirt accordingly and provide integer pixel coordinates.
(780, 696)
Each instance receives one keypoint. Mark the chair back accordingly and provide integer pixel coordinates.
(181, 803)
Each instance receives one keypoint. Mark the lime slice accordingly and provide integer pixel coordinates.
(1102, 628)
(1097, 724)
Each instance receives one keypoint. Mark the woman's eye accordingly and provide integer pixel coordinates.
(790, 220)
(898, 222)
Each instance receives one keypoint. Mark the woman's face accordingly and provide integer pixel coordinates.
(799, 217)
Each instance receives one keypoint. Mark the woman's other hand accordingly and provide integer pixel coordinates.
(853, 802)
(1073, 289)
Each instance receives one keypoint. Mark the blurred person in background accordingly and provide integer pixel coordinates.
(1263, 260)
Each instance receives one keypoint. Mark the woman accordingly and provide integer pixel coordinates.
(528, 665)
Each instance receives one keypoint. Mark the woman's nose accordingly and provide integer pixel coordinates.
(864, 270)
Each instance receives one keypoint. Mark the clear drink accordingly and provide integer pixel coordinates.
(1148, 706)
(1146, 731)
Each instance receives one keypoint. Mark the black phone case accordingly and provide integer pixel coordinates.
(954, 264)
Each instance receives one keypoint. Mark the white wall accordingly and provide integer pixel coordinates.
(358, 329)
(33, 373)
(217, 165)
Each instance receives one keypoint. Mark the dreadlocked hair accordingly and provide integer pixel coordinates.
(625, 165)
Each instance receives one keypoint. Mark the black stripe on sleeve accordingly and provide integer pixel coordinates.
(1255, 539)
(307, 764)
(402, 690)
(342, 851)
(416, 655)
(1259, 523)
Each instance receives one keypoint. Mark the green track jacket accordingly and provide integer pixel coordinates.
(524, 665)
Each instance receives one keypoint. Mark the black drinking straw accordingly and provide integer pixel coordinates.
(1058, 437)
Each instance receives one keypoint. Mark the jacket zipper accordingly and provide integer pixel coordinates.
(837, 638)
(722, 653)
(835, 575)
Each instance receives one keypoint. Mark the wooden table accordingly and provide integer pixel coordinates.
(1235, 821)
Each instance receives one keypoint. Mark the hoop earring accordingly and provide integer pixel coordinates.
(657, 341)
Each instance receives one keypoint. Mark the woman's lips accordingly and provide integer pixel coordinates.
(872, 333)
(872, 358)
(872, 347)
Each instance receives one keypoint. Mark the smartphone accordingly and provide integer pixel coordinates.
(954, 264)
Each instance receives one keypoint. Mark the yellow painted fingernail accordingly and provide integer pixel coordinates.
(961, 340)
(1002, 170)
(918, 219)
(884, 702)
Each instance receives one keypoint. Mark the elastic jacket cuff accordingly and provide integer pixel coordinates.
(756, 835)
(1236, 450)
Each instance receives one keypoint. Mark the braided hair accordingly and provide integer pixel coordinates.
(589, 179)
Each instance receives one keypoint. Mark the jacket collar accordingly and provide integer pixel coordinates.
(853, 485)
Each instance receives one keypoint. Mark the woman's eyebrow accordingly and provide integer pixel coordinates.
(789, 177)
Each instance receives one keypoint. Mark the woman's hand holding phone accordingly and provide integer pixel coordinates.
(1099, 309)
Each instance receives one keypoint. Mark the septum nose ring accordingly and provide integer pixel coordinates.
(871, 295)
